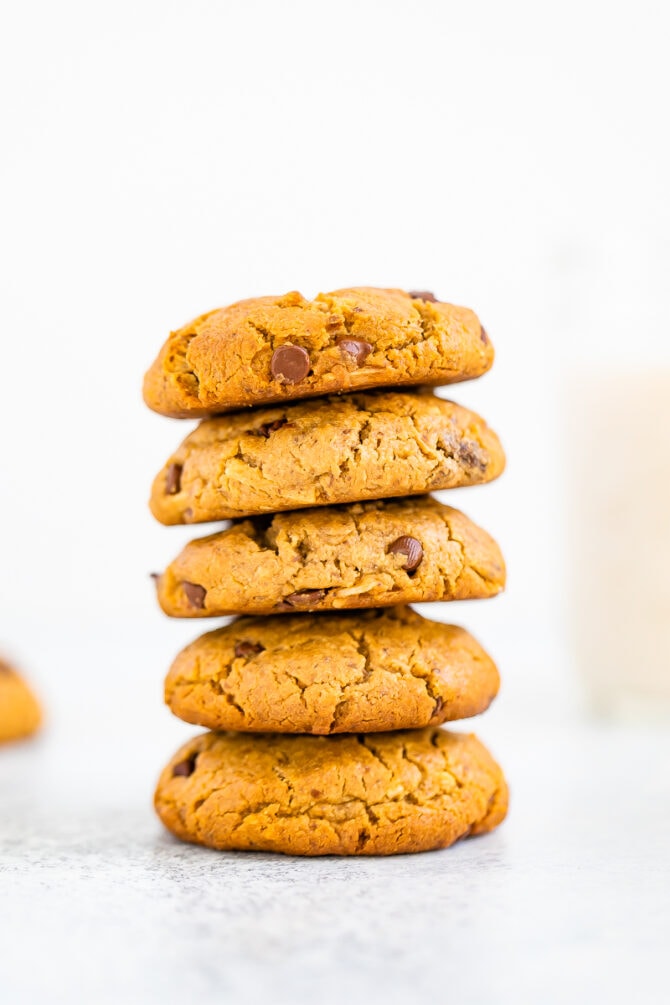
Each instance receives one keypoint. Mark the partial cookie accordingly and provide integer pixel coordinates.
(331, 673)
(281, 348)
(374, 794)
(20, 713)
(376, 554)
(318, 453)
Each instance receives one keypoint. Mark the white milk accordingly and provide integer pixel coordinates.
(618, 559)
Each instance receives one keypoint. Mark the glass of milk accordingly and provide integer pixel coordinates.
(618, 554)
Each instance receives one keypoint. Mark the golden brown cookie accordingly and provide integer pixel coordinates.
(376, 554)
(374, 794)
(318, 453)
(331, 673)
(20, 713)
(281, 348)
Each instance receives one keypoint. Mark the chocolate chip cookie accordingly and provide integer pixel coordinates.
(272, 349)
(375, 554)
(331, 673)
(374, 794)
(328, 451)
(20, 714)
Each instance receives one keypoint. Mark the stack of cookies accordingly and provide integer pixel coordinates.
(326, 694)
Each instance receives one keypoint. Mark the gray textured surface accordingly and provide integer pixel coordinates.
(569, 900)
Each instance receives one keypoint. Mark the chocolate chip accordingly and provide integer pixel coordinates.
(155, 576)
(304, 598)
(423, 295)
(356, 348)
(195, 594)
(290, 364)
(173, 480)
(268, 427)
(439, 705)
(185, 768)
(411, 548)
(483, 336)
(316, 793)
(247, 649)
(470, 454)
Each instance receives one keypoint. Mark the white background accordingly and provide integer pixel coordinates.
(160, 159)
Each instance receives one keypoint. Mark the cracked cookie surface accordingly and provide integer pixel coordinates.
(324, 452)
(331, 673)
(281, 348)
(371, 794)
(336, 557)
(20, 714)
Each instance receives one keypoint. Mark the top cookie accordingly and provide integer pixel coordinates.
(274, 349)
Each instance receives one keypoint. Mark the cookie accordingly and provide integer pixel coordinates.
(274, 349)
(376, 554)
(20, 714)
(331, 673)
(330, 451)
(366, 794)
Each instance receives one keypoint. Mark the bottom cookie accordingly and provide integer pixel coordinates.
(19, 710)
(363, 794)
